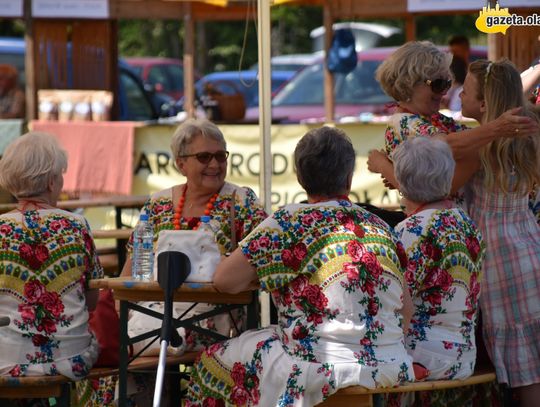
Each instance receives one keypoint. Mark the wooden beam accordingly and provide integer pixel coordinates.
(189, 69)
(329, 99)
(173, 10)
(410, 28)
(29, 62)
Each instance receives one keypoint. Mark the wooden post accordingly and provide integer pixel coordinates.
(329, 99)
(189, 71)
(29, 58)
(410, 28)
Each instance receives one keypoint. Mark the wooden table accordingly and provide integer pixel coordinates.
(129, 292)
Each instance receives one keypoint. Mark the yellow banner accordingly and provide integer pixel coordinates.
(154, 165)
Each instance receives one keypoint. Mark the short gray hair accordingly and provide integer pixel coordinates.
(324, 159)
(412, 63)
(30, 162)
(188, 130)
(424, 168)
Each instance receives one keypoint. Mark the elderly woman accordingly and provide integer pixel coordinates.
(12, 101)
(201, 154)
(47, 258)
(445, 253)
(334, 273)
(508, 171)
(417, 76)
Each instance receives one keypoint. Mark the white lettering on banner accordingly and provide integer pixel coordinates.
(154, 169)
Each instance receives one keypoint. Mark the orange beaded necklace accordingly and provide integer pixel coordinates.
(180, 207)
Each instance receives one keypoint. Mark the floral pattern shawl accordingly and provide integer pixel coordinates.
(445, 251)
(47, 258)
(334, 272)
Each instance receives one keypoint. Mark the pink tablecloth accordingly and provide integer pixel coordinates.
(100, 154)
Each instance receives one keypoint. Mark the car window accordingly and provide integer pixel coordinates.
(304, 89)
(356, 87)
(138, 106)
(17, 60)
(170, 76)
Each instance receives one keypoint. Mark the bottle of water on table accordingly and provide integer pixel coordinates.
(207, 226)
(143, 250)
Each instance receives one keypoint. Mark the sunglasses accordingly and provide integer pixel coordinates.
(439, 85)
(205, 157)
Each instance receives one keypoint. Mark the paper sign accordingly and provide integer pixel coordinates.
(11, 8)
(70, 8)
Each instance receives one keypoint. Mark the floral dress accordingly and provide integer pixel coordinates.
(47, 257)
(335, 275)
(445, 253)
(249, 213)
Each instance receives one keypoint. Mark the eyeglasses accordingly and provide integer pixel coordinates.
(205, 157)
(439, 85)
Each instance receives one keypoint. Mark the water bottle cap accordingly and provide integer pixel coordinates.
(205, 219)
(144, 216)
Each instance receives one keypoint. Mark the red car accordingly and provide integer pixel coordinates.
(357, 94)
(161, 75)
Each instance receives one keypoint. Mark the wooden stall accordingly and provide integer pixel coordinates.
(93, 42)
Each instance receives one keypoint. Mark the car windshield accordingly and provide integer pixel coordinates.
(356, 87)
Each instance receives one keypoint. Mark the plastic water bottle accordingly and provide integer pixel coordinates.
(143, 250)
(207, 226)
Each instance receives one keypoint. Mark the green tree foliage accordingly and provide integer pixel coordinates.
(233, 45)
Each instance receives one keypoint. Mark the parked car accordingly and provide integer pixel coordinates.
(245, 82)
(160, 75)
(366, 35)
(135, 102)
(356, 93)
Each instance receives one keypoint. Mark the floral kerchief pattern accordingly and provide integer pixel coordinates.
(445, 252)
(47, 258)
(335, 275)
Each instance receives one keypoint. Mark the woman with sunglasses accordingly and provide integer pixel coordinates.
(200, 155)
(417, 76)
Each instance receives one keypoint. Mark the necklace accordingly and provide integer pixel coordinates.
(180, 207)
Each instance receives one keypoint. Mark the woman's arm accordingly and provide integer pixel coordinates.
(126, 270)
(379, 163)
(529, 78)
(510, 124)
(235, 274)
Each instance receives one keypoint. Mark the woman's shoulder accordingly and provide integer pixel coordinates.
(159, 197)
(242, 192)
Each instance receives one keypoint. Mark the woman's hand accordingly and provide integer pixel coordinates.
(377, 161)
(511, 124)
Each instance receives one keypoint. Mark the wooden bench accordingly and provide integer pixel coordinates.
(58, 387)
(359, 396)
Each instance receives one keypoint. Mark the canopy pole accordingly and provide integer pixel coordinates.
(189, 69)
(329, 97)
(265, 122)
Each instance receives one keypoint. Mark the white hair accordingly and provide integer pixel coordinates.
(30, 162)
(424, 168)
